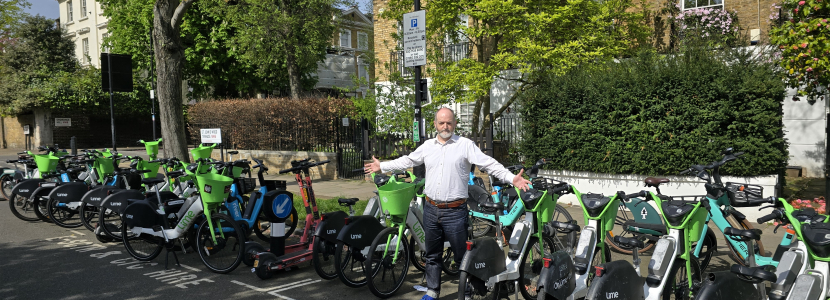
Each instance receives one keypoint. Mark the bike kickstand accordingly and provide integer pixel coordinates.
(516, 289)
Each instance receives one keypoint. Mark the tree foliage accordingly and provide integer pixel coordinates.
(803, 37)
(534, 37)
(11, 13)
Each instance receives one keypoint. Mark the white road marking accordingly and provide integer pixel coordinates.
(76, 232)
(285, 286)
(190, 268)
(295, 286)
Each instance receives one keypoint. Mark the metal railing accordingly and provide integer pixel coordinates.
(396, 64)
(457, 52)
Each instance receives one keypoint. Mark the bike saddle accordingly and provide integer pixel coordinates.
(564, 227)
(491, 207)
(756, 273)
(233, 152)
(754, 234)
(655, 182)
(817, 236)
(635, 243)
(152, 181)
(347, 201)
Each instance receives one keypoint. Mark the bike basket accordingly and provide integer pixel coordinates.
(145, 165)
(46, 163)
(213, 188)
(104, 167)
(152, 148)
(202, 151)
(245, 185)
(273, 185)
(395, 197)
(740, 194)
(106, 153)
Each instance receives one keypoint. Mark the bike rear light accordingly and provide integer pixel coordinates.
(346, 221)
(547, 262)
(599, 271)
(469, 245)
(322, 217)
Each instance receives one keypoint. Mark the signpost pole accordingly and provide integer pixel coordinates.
(112, 116)
(415, 42)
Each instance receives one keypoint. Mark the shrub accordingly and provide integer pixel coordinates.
(658, 115)
(308, 124)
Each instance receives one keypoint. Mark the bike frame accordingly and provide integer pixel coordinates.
(591, 237)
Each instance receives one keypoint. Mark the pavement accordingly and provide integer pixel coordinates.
(44, 261)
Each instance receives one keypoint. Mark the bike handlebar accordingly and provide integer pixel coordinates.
(776, 214)
(643, 194)
(304, 166)
(563, 188)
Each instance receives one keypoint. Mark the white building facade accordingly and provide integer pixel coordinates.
(84, 21)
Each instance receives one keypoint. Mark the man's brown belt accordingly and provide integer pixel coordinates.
(451, 204)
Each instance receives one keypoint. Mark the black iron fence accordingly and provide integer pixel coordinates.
(396, 64)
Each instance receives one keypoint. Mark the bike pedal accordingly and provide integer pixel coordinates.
(513, 254)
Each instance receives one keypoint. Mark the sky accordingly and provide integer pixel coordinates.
(46, 8)
(49, 8)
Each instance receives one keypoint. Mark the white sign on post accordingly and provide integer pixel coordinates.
(211, 136)
(415, 39)
(26, 130)
(63, 122)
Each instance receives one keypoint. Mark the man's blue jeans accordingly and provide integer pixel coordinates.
(443, 224)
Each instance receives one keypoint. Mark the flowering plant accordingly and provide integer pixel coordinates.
(802, 34)
(715, 26)
(817, 204)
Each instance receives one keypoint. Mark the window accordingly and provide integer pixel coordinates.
(104, 47)
(83, 9)
(458, 35)
(85, 44)
(346, 38)
(691, 4)
(362, 41)
(361, 71)
(69, 11)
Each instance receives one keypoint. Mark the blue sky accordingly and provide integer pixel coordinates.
(49, 8)
(46, 8)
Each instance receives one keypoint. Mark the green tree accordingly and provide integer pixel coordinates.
(285, 34)
(11, 12)
(535, 37)
(803, 37)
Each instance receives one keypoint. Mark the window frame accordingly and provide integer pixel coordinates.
(365, 39)
(683, 7)
(84, 10)
(345, 32)
(85, 49)
(69, 15)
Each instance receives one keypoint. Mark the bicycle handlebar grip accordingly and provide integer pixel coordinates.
(358, 170)
(637, 194)
(286, 171)
(564, 188)
(319, 163)
(774, 215)
(11, 161)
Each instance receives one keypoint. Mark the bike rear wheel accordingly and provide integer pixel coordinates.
(468, 284)
(322, 256)
(89, 216)
(40, 203)
(620, 229)
(110, 224)
(262, 225)
(22, 208)
(388, 263)
(349, 261)
(225, 253)
(531, 267)
(63, 216)
(143, 247)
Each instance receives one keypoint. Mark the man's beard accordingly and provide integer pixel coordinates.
(445, 134)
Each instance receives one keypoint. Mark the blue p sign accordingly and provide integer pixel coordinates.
(414, 23)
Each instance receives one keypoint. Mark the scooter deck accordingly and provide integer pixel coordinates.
(289, 260)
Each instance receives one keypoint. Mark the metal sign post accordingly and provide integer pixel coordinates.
(414, 45)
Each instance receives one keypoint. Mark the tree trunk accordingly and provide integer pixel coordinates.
(293, 70)
(169, 54)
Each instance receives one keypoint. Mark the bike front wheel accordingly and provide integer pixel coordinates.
(89, 216)
(388, 263)
(221, 249)
(531, 267)
(262, 227)
(110, 224)
(677, 286)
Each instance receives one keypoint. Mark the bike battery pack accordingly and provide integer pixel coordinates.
(659, 263)
(788, 268)
(584, 248)
(807, 287)
(517, 240)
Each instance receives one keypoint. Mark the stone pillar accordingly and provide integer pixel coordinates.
(42, 128)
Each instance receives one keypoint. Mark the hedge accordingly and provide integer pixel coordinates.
(658, 115)
(308, 124)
